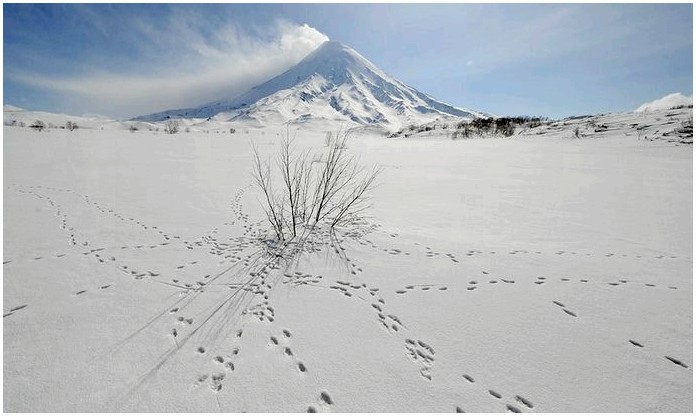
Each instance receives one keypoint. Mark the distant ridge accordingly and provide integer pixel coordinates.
(668, 101)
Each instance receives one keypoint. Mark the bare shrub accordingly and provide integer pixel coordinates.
(262, 177)
(171, 127)
(71, 125)
(38, 125)
(331, 188)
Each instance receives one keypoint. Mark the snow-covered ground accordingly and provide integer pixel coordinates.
(538, 273)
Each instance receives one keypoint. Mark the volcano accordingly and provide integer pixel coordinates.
(332, 83)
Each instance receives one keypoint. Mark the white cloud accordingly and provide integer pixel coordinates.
(301, 38)
(182, 66)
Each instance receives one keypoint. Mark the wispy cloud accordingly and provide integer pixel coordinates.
(179, 62)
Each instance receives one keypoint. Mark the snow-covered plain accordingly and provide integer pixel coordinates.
(539, 273)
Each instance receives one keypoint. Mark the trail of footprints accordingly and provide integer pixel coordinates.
(432, 253)
(82, 291)
(220, 248)
(513, 404)
(325, 403)
(230, 253)
(263, 311)
(183, 325)
(418, 351)
(672, 360)
(421, 287)
(540, 280)
(564, 309)
(282, 344)
(390, 322)
(299, 278)
(225, 364)
(100, 207)
(472, 285)
(421, 354)
(99, 254)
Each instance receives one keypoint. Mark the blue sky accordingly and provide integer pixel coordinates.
(124, 60)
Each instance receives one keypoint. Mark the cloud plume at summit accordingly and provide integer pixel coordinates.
(186, 62)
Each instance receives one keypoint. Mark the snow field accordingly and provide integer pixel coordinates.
(533, 274)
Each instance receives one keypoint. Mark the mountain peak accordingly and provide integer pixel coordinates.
(333, 82)
(333, 44)
(334, 61)
(335, 47)
(336, 50)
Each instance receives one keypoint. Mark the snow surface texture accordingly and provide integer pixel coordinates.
(538, 273)
(667, 102)
(333, 83)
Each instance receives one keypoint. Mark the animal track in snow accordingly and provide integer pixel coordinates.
(262, 311)
(325, 398)
(422, 354)
(498, 396)
(184, 321)
(524, 401)
(286, 350)
(677, 362)
(422, 287)
(670, 359)
(571, 313)
(563, 307)
(14, 309)
(299, 279)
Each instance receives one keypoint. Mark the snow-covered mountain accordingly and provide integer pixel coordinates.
(666, 102)
(333, 83)
(8, 107)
